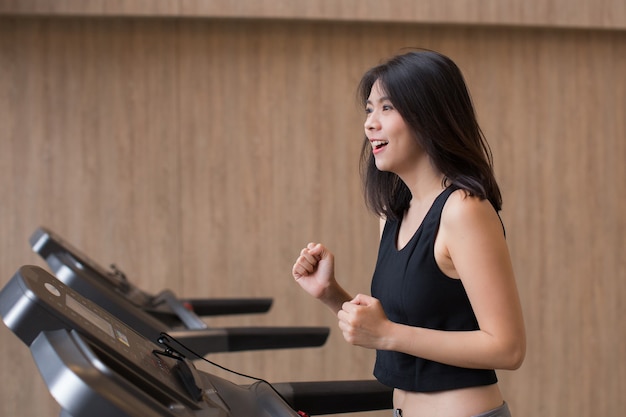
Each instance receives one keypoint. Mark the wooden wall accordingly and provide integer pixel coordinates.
(201, 154)
(604, 14)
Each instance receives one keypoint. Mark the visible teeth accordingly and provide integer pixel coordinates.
(379, 143)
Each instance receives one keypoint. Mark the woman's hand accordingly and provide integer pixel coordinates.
(314, 269)
(364, 322)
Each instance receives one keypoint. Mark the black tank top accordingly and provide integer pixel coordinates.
(413, 291)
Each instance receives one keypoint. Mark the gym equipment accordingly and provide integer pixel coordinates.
(94, 365)
(67, 261)
(151, 315)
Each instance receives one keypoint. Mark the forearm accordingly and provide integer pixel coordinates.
(467, 349)
(334, 296)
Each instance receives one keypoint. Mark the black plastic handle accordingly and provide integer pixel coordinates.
(227, 306)
(334, 397)
(233, 339)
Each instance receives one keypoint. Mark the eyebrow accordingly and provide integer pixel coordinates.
(380, 100)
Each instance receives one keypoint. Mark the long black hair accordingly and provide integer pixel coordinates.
(429, 91)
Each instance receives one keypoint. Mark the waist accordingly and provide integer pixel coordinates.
(464, 402)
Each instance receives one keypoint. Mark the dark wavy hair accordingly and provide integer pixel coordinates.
(429, 91)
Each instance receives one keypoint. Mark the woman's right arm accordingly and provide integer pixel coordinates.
(314, 270)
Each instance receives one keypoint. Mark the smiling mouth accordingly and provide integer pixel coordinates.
(379, 144)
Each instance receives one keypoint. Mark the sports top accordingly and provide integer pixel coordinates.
(413, 291)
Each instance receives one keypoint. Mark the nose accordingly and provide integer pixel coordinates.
(371, 122)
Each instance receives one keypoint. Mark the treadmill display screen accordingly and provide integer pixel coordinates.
(89, 315)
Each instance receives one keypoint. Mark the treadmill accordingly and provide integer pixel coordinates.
(151, 315)
(94, 365)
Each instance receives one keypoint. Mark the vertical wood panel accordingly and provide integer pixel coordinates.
(201, 155)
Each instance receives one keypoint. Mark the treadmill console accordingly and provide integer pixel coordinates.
(72, 339)
(152, 315)
(66, 260)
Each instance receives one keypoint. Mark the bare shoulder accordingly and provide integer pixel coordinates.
(465, 212)
(471, 239)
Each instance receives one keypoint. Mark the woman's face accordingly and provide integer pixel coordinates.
(393, 145)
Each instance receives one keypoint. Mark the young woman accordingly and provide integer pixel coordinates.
(444, 311)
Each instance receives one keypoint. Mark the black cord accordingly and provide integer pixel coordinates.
(169, 349)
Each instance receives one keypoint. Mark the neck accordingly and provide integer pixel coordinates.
(423, 182)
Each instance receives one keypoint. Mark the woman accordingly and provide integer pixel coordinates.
(444, 311)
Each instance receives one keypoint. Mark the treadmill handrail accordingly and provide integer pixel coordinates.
(189, 318)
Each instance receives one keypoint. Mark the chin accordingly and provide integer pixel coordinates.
(381, 166)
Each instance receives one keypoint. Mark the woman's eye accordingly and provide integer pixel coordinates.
(368, 110)
(387, 107)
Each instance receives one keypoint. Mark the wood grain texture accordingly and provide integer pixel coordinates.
(607, 14)
(201, 155)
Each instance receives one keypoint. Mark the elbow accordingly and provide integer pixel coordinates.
(514, 356)
(508, 353)
(515, 361)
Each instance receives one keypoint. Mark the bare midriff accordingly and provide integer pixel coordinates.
(465, 402)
